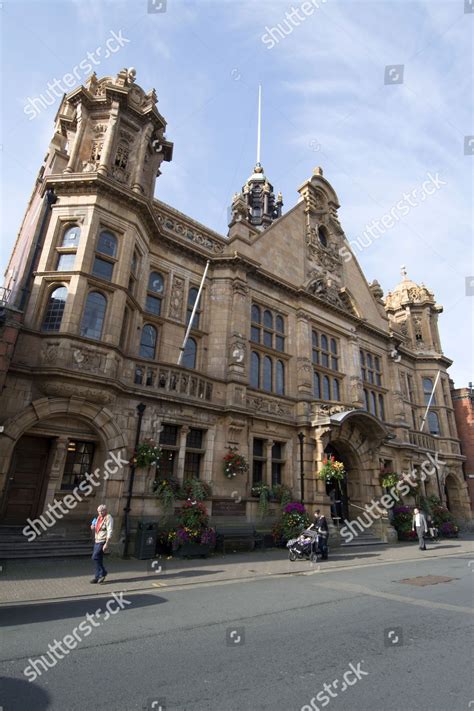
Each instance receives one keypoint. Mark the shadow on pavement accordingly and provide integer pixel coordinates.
(177, 574)
(19, 694)
(70, 609)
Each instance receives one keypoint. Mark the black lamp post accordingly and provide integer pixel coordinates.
(140, 410)
(301, 439)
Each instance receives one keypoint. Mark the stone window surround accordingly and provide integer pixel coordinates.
(209, 436)
(267, 457)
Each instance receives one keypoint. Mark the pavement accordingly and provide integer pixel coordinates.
(36, 580)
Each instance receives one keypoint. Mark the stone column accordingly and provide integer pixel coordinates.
(304, 366)
(183, 433)
(208, 458)
(81, 114)
(103, 168)
(137, 185)
(268, 469)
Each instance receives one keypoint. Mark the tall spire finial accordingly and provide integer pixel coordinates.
(259, 123)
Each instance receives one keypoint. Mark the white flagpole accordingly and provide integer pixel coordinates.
(196, 304)
(430, 401)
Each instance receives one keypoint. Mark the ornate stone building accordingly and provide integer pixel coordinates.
(289, 337)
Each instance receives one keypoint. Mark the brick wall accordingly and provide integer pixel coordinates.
(463, 402)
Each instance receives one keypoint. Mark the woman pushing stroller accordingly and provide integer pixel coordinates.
(320, 525)
(312, 542)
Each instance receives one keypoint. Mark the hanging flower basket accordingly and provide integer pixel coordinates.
(234, 463)
(332, 470)
(389, 480)
(146, 454)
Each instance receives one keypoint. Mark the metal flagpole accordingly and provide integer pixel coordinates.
(430, 401)
(196, 304)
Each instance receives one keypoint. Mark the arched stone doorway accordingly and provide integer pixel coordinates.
(353, 437)
(35, 448)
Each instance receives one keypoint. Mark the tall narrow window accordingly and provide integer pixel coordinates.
(326, 388)
(258, 461)
(255, 370)
(280, 334)
(267, 374)
(54, 310)
(277, 462)
(71, 236)
(155, 292)
(316, 385)
(427, 390)
(280, 378)
(148, 341)
(194, 454)
(189, 354)
(78, 462)
(433, 423)
(192, 296)
(381, 408)
(106, 252)
(336, 391)
(169, 447)
(93, 316)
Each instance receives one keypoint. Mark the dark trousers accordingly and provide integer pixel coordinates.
(98, 556)
(419, 532)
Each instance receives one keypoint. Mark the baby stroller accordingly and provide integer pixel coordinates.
(305, 547)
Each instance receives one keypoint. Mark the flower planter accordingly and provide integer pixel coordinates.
(193, 550)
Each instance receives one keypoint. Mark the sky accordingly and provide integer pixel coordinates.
(379, 94)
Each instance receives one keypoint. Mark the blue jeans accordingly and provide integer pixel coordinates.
(98, 556)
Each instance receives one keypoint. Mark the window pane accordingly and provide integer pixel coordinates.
(280, 378)
(148, 342)
(156, 283)
(258, 447)
(276, 473)
(255, 370)
(167, 463)
(268, 339)
(255, 334)
(279, 324)
(93, 317)
(433, 423)
(78, 463)
(324, 342)
(169, 434)
(333, 362)
(189, 355)
(267, 319)
(107, 244)
(370, 375)
(316, 386)
(192, 296)
(257, 472)
(103, 269)
(362, 357)
(280, 343)
(71, 237)
(255, 314)
(333, 346)
(314, 337)
(325, 360)
(194, 438)
(153, 305)
(195, 319)
(369, 361)
(326, 388)
(267, 374)
(377, 363)
(54, 310)
(192, 465)
(277, 450)
(66, 262)
(378, 378)
(336, 393)
(316, 357)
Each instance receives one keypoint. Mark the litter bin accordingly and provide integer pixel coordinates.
(145, 541)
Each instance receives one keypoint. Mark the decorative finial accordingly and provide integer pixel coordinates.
(403, 271)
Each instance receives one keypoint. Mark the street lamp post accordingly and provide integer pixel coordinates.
(140, 410)
(301, 439)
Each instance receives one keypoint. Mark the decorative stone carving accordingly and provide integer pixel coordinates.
(58, 388)
(323, 410)
(238, 350)
(270, 407)
(171, 224)
(177, 298)
(240, 287)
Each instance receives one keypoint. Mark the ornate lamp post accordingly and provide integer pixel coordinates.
(140, 410)
(301, 439)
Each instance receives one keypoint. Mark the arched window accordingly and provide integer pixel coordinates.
(54, 310)
(279, 324)
(192, 296)
(71, 236)
(148, 341)
(280, 378)
(267, 374)
(323, 236)
(324, 343)
(255, 370)
(93, 316)
(324, 351)
(427, 390)
(156, 286)
(315, 347)
(107, 244)
(189, 354)
(256, 316)
(336, 390)
(326, 388)
(267, 319)
(334, 358)
(316, 385)
(279, 335)
(433, 423)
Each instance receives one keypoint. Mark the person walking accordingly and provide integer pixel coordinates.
(420, 526)
(320, 525)
(102, 526)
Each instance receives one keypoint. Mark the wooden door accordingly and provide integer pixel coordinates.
(26, 482)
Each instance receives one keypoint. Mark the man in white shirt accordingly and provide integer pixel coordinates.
(420, 526)
(103, 527)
